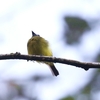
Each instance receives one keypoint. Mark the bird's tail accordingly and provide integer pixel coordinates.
(53, 69)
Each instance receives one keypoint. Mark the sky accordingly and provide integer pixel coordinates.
(45, 17)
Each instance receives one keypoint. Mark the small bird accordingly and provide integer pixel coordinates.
(39, 46)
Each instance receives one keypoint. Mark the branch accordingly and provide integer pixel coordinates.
(84, 65)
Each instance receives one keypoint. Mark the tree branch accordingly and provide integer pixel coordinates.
(84, 65)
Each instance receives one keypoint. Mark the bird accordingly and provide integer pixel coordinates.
(37, 45)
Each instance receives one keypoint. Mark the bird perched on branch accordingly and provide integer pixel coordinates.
(39, 46)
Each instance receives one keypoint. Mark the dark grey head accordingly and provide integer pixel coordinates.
(33, 34)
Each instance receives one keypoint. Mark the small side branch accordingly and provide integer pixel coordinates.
(84, 65)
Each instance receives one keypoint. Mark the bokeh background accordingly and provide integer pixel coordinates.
(72, 28)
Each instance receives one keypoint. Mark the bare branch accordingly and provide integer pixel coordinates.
(84, 65)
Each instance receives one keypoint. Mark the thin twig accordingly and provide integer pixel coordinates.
(84, 65)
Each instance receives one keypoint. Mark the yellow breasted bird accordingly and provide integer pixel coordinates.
(39, 46)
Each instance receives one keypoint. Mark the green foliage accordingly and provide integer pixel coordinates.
(76, 28)
(68, 98)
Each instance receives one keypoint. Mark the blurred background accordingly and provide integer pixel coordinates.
(72, 28)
